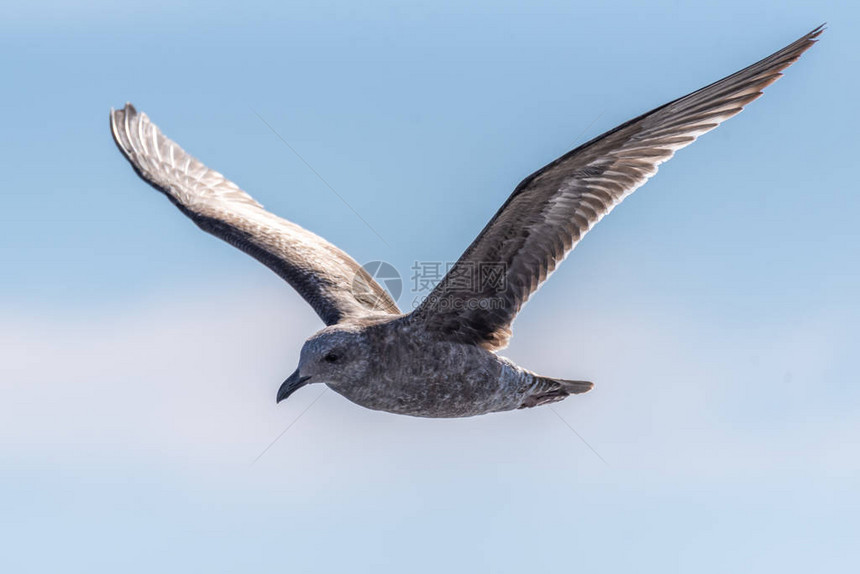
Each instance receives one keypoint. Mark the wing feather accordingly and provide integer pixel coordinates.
(331, 281)
(551, 210)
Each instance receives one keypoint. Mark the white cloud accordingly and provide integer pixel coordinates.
(190, 381)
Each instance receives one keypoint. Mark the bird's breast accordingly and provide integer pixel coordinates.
(438, 379)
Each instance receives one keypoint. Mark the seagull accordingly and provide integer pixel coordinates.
(441, 359)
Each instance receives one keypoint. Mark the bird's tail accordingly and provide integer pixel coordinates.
(574, 387)
(547, 390)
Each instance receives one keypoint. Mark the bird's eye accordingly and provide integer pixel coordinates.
(331, 357)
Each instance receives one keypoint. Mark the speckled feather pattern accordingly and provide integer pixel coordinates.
(440, 360)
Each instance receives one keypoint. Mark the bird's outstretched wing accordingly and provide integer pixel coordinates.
(551, 210)
(329, 279)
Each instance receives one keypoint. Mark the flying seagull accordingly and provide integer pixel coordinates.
(440, 360)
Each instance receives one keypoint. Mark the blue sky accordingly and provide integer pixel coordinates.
(715, 309)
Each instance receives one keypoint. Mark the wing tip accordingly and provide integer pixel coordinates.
(126, 124)
(119, 127)
(817, 31)
(127, 109)
(805, 42)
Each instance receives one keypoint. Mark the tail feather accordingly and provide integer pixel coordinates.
(575, 387)
(547, 390)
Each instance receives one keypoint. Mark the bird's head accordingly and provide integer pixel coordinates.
(333, 355)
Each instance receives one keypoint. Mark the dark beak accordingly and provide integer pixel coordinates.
(293, 383)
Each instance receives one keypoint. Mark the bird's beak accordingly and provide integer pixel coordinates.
(293, 383)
